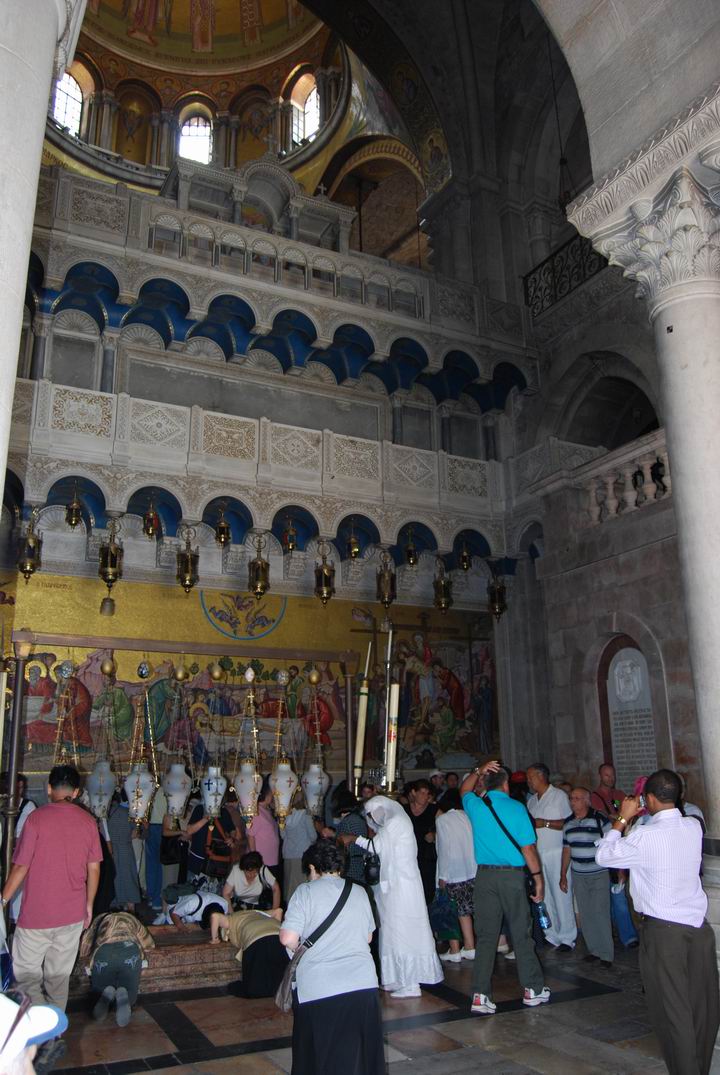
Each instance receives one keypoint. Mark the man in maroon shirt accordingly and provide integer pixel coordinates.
(606, 793)
(57, 860)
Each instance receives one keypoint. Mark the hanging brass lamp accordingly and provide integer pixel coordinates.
(386, 581)
(497, 594)
(151, 522)
(110, 568)
(187, 559)
(73, 510)
(30, 548)
(259, 571)
(223, 533)
(353, 545)
(324, 574)
(289, 538)
(442, 585)
(411, 553)
(465, 558)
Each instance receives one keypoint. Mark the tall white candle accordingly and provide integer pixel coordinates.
(392, 734)
(360, 735)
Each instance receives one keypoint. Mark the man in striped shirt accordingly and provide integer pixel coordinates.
(590, 882)
(677, 945)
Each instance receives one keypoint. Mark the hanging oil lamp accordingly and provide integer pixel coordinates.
(465, 558)
(223, 533)
(442, 585)
(259, 571)
(187, 560)
(110, 568)
(386, 581)
(289, 538)
(411, 553)
(151, 522)
(324, 575)
(353, 545)
(30, 549)
(497, 594)
(73, 510)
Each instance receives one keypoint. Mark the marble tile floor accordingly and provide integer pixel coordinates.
(595, 1024)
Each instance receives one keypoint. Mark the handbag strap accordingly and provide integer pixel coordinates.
(511, 838)
(325, 925)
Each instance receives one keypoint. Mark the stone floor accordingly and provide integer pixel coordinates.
(596, 1022)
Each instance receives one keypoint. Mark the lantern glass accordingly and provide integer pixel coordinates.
(258, 576)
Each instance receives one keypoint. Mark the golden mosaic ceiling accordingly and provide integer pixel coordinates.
(204, 36)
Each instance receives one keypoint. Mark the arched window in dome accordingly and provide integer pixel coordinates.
(306, 109)
(312, 113)
(68, 104)
(196, 139)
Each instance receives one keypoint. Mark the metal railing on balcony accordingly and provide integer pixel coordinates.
(565, 270)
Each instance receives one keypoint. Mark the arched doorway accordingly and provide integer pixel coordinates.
(626, 711)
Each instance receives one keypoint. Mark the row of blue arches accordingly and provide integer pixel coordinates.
(163, 305)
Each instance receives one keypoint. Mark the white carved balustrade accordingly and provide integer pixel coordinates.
(76, 424)
(629, 478)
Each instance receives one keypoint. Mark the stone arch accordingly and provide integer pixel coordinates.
(187, 510)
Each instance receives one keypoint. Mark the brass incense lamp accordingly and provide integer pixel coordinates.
(465, 558)
(259, 571)
(324, 574)
(289, 538)
(386, 582)
(353, 545)
(442, 585)
(187, 559)
(110, 568)
(73, 510)
(497, 594)
(411, 553)
(223, 533)
(30, 548)
(151, 522)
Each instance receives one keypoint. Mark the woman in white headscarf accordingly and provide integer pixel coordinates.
(407, 946)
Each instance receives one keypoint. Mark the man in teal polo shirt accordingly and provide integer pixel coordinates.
(500, 886)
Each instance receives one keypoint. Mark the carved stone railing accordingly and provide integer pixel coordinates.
(547, 459)
(632, 477)
(142, 435)
(558, 275)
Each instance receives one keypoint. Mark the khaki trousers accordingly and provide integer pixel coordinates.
(43, 960)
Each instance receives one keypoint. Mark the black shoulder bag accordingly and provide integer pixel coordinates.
(283, 997)
(529, 879)
(371, 866)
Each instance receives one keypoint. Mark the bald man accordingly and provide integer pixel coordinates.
(590, 882)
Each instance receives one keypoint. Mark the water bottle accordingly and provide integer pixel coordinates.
(543, 916)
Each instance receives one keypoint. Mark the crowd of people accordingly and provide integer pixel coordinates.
(487, 864)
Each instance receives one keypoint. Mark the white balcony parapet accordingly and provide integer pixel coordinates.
(126, 433)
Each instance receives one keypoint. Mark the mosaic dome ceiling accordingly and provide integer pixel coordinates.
(205, 36)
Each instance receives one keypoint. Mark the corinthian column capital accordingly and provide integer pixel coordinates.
(657, 215)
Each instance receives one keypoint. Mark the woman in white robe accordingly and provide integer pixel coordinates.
(407, 946)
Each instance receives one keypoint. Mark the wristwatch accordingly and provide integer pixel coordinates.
(547, 824)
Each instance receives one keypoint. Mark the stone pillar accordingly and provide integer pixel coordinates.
(107, 115)
(661, 224)
(37, 40)
(40, 329)
(168, 138)
(286, 126)
(234, 128)
(445, 416)
(90, 120)
(154, 139)
(220, 140)
(539, 230)
(322, 81)
(109, 356)
(294, 214)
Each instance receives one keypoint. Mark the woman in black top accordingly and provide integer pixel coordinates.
(421, 812)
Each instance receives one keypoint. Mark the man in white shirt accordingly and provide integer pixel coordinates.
(678, 963)
(550, 808)
(196, 907)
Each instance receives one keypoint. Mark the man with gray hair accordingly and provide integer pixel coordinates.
(591, 883)
(549, 808)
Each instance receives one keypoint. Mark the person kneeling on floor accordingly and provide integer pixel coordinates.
(115, 946)
(256, 936)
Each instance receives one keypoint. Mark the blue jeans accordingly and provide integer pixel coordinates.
(153, 866)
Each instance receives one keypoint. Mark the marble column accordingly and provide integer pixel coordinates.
(37, 40)
(155, 139)
(40, 330)
(234, 124)
(109, 357)
(658, 218)
(107, 115)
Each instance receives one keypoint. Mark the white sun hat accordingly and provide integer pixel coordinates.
(39, 1023)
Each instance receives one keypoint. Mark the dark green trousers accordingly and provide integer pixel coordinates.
(117, 964)
(497, 893)
(680, 975)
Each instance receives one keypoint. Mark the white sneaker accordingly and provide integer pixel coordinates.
(532, 999)
(408, 991)
(510, 955)
(451, 957)
(482, 1005)
(159, 921)
(467, 953)
(503, 948)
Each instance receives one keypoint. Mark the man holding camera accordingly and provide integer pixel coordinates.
(677, 945)
(504, 841)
